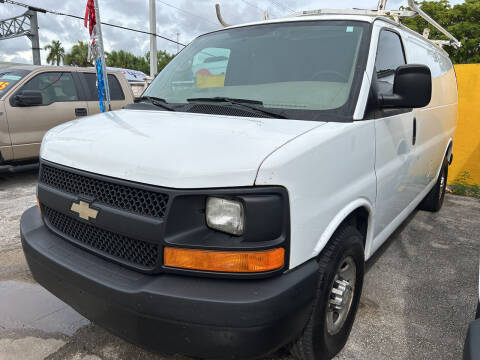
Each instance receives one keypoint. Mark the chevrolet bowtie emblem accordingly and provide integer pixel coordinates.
(84, 210)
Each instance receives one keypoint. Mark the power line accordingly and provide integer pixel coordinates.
(33, 8)
(186, 12)
(253, 5)
(281, 5)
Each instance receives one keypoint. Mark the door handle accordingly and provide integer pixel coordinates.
(81, 112)
(414, 136)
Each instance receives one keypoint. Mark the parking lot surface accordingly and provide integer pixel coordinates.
(419, 295)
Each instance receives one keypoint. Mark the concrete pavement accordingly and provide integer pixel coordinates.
(419, 295)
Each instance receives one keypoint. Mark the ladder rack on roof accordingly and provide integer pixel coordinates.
(395, 14)
(381, 11)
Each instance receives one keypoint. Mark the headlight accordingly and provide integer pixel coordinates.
(225, 215)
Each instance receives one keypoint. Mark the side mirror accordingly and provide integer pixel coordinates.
(28, 98)
(412, 88)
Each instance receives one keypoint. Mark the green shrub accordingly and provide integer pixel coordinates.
(462, 186)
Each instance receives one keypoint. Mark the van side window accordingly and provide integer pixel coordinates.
(390, 54)
(54, 86)
(116, 92)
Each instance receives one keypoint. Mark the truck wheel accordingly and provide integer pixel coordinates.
(340, 280)
(434, 199)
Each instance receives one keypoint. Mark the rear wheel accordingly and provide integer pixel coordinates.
(434, 199)
(340, 281)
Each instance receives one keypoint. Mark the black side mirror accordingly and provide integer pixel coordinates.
(412, 88)
(28, 98)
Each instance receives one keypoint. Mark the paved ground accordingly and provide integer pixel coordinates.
(419, 295)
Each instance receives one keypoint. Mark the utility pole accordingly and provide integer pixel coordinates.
(33, 36)
(153, 39)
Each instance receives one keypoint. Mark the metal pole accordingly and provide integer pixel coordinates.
(33, 36)
(102, 53)
(153, 39)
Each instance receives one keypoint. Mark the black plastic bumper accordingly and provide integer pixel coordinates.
(200, 317)
(471, 351)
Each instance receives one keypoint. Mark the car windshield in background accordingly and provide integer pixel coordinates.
(9, 77)
(298, 66)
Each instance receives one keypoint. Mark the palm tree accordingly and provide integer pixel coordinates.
(78, 56)
(56, 54)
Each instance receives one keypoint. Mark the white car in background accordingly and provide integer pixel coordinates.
(230, 212)
(471, 350)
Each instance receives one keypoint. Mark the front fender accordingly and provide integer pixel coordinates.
(340, 217)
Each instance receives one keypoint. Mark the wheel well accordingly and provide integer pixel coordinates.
(449, 153)
(359, 219)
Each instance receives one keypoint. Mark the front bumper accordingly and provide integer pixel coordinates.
(200, 317)
(471, 351)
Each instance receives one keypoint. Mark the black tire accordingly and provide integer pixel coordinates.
(434, 199)
(315, 342)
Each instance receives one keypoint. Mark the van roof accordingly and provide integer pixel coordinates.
(308, 16)
(295, 17)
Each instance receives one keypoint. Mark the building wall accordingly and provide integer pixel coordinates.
(466, 148)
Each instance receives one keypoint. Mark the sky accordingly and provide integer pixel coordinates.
(195, 17)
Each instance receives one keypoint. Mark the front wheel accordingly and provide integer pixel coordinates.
(340, 281)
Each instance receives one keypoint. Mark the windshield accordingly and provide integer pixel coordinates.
(298, 66)
(9, 77)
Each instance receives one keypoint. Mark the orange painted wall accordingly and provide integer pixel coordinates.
(466, 147)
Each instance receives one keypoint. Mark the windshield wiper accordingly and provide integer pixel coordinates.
(158, 102)
(243, 103)
(226, 99)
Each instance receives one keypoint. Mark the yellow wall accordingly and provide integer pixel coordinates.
(466, 147)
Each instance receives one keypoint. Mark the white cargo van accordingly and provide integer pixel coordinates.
(230, 212)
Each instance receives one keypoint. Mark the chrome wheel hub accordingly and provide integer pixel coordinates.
(341, 295)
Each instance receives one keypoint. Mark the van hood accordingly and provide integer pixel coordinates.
(171, 149)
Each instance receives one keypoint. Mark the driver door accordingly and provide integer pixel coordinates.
(394, 138)
(60, 103)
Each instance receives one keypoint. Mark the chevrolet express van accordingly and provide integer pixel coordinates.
(225, 218)
(33, 99)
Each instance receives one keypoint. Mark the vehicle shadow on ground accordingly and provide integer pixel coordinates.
(17, 178)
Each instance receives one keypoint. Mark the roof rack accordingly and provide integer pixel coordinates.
(395, 14)
(380, 11)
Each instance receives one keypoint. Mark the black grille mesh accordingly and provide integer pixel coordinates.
(224, 110)
(127, 198)
(121, 247)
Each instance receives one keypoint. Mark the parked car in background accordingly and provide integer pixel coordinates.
(471, 350)
(33, 99)
(137, 80)
(231, 210)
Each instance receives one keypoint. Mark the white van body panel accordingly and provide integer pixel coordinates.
(407, 167)
(324, 171)
(170, 149)
(373, 164)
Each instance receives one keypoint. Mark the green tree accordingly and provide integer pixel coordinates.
(163, 58)
(461, 20)
(78, 56)
(126, 60)
(56, 52)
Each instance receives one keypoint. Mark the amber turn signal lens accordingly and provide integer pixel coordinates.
(39, 207)
(225, 261)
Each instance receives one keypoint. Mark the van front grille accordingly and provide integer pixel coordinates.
(112, 245)
(129, 198)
